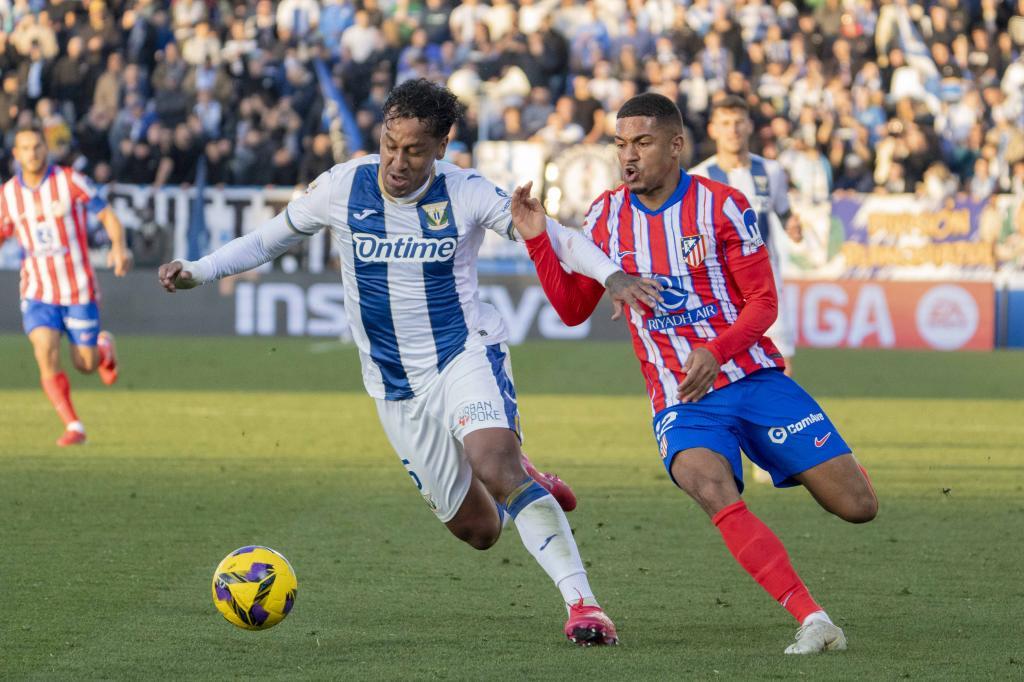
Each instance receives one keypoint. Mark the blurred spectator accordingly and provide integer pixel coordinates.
(72, 79)
(299, 18)
(320, 158)
(464, 19)
(202, 47)
(12, 100)
(93, 137)
(361, 40)
(179, 158)
(218, 162)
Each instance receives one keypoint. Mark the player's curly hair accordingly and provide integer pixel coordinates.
(650, 104)
(434, 104)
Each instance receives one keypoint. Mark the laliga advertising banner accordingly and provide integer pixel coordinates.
(866, 314)
(827, 314)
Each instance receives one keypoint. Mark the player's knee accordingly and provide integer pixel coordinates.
(860, 508)
(478, 536)
(711, 494)
(85, 365)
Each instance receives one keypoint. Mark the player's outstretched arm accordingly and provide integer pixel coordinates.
(244, 253)
(575, 296)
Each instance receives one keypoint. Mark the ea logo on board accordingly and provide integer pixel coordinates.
(947, 317)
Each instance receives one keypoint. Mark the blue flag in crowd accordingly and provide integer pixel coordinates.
(335, 108)
(198, 237)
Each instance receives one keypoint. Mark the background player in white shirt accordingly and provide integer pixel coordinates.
(764, 183)
(44, 207)
(408, 228)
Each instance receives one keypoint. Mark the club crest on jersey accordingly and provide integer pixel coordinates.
(692, 250)
(761, 184)
(436, 214)
(59, 209)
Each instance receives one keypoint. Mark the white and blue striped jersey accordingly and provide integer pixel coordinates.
(765, 186)
(408, 268)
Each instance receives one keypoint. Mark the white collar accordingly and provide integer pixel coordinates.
(412, 198)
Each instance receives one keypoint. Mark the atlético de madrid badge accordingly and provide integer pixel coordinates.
(436, 214)
(692, 250)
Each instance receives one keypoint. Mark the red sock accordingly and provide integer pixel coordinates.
(760, 552)
(58, 390)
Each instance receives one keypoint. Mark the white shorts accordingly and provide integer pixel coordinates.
(474, 392)
(782, 332)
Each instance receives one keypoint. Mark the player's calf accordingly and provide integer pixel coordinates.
(706, 477)
(85, 359)
(477, 523)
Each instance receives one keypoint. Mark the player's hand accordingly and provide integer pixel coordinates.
(528, 216)
(639, 293)
(119, 259)
(701, 369)
(173, 277)
(794, 229)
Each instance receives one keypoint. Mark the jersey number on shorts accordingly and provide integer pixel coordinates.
(415, 478)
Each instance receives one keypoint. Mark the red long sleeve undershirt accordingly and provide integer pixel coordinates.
(574, 297)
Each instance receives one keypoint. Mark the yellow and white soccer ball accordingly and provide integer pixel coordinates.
(254, 587)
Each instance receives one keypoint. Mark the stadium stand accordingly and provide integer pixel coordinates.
(864, 95)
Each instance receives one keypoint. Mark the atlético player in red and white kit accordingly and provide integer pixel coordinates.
(44, 207)
(715, 381)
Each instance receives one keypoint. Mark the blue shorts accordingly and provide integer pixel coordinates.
(776, 423)
(80, 322)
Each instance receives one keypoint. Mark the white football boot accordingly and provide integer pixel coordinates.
(818, 636)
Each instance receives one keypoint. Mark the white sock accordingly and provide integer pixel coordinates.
(75, 426)
(546, 533)
(816, 616)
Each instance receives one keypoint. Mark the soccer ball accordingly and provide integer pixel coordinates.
(254, 587)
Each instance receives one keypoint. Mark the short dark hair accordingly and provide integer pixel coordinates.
(730, 103)
(434, 104)
(30, 128)
(652, 105)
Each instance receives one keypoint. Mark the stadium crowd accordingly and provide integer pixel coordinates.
(865, 95)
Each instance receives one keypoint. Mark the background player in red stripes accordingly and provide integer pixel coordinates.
(715, 381)
(44, 206)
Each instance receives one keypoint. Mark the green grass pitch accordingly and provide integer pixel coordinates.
(106, 551)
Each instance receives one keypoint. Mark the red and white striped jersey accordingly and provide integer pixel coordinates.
(50, 224)
(694, 245)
